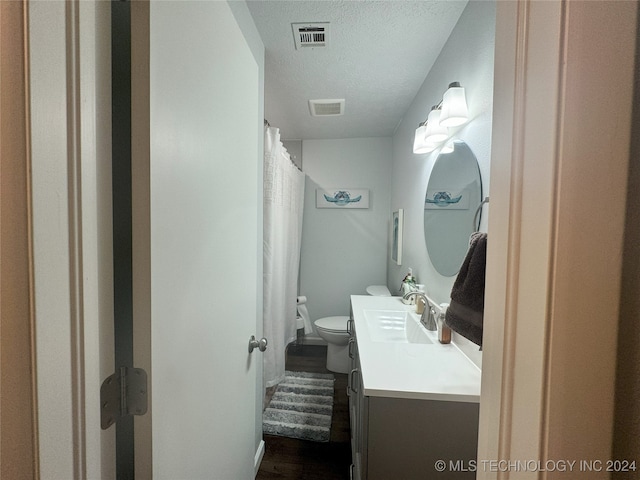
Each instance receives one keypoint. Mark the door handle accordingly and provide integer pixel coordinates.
(259, 344)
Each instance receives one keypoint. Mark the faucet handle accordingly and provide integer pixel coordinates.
(430, 323)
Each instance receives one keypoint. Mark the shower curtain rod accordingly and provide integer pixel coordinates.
(267, 124)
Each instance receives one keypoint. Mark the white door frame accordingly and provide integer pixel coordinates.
(561, 136)
(70, 106)
(141, 229)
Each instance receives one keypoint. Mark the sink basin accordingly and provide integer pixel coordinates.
(394, 327)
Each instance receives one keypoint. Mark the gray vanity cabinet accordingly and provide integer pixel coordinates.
(404, 438)
(358, 412)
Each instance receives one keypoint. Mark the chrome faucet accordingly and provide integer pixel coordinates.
(428, 315)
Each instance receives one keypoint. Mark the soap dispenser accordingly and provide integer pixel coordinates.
(408, 285)
(420, 302)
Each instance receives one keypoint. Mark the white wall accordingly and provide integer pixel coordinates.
(343, 251)
(467, 57)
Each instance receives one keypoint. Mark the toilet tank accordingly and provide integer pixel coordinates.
(378, 291)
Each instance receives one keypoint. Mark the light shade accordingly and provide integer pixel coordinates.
(420, 144)
(436, 132)
(448, 147)
(454, 106)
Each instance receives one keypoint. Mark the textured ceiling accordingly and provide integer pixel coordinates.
(379, 54)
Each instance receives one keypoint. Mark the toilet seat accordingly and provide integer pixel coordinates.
(333, 324)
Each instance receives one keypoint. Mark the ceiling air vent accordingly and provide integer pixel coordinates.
(311, 34)
(326, 108)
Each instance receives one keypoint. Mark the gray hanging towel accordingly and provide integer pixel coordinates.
(466, 309)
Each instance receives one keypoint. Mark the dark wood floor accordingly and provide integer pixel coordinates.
(288, 458)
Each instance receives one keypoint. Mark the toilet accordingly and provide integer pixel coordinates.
(333, 330)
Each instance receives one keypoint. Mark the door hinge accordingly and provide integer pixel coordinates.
(121, 394)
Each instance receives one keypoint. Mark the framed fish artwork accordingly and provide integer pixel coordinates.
(342, 198)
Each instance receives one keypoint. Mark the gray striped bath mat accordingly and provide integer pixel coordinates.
(301, 407)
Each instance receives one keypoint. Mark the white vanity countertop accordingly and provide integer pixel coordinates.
(410, 370)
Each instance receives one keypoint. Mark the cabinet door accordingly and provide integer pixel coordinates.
(358, 419)
(362, 432)
(353, 349)
(407, 437)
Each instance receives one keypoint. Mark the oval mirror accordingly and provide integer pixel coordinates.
(454, 192)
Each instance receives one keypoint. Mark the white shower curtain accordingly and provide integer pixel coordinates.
(283, 206)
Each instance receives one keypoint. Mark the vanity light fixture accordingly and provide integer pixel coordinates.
(420, 144)
(435, 133)
(454, 106)
(451, 112)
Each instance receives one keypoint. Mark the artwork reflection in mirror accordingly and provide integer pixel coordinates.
(453, 193)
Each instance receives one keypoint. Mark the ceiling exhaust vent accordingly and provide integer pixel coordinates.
(326, 108)
(310, 34)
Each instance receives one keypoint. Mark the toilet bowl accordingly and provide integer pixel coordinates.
(333, 330)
